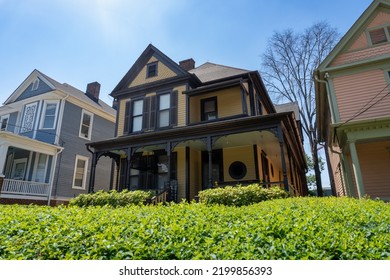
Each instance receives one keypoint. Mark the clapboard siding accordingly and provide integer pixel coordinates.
(74, 145)
(355, 91)
(27, 93)
(375, 166)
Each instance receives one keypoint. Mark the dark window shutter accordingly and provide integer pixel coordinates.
(152, 114)
(126, 128)
(145, 119)
(173, 113)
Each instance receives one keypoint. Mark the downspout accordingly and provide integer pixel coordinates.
(60, 150)
(52, 177)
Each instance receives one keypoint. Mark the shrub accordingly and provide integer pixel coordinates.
(240, 195)
(112, 198)
(293, 228)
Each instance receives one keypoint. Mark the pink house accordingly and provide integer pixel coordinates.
(353, 106)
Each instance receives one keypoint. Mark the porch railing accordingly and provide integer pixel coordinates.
(20, 187)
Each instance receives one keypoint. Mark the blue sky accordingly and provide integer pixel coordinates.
(81, 41)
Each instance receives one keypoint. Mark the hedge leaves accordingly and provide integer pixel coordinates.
(292, 228)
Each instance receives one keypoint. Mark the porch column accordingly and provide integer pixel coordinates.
(284, 167)
(347, 173)
(168, 150)
(210, 153)
(244, 104)
(128, 167)
(3, 157)
(356, 169)
(93, 173)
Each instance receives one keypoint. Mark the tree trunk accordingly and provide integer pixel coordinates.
(317, 170)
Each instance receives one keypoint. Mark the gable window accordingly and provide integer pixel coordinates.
(86, 125)
(136, 118)
(4, 122)
(164, 105)
(379, 35)
(30, 110)
(35, 84)
(80, 172)
(49, 115)
(151, 70)
(209, 109)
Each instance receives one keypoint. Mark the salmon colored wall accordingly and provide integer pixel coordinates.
(354, 91)
(374, 161)
(360, 48)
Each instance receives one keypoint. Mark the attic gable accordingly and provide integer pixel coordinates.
(356, 45)
(151, 67)
(34, 85)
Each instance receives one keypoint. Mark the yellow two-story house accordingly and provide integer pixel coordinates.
(185, 129)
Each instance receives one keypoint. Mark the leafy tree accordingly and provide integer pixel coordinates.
(288, 66)
(310, 177)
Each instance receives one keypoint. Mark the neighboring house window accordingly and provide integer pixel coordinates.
(4, 122)
(86, 125)
(151, 70)
(136, 118)
(35, 84)
(80, 172)
(164, 105)
(40, 168)
(30, 110)
(49, 114)
(379, 35)
(209, 109)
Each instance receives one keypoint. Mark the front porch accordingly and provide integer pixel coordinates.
(26, 167)
(190, 159)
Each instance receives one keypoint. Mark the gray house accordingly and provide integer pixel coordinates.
(45, 126)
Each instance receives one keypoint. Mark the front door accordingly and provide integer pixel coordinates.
(216, 168)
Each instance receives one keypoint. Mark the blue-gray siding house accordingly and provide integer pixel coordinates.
(45, 126)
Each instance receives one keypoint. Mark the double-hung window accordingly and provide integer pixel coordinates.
(164, 106)
(209, 109)
(151, 70)
(136, 118)
(86, 125)
(80, 172)
(4, 122)
(49, 115)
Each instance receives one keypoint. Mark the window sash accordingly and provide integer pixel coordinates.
(50, 115)
(137, 113)
(4, 122)
(86, 125)
(80, 172)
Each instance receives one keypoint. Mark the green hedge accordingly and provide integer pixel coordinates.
(112, 198)
(240, 195)
(292, 228)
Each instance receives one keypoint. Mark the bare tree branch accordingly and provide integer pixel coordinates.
(288, 65)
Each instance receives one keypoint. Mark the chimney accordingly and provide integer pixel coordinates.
(93, 90)
(187, 64)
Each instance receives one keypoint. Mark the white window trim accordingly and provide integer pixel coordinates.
(90, 125)
(43, 114)
(86, 159)
(1, 121)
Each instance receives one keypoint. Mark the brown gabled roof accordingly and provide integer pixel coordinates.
(208, 72)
